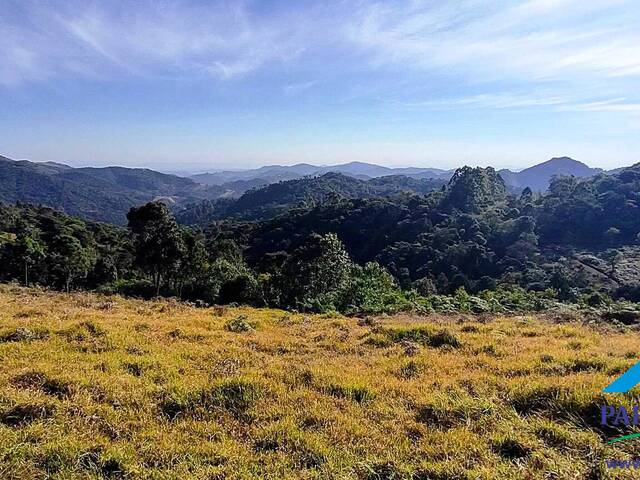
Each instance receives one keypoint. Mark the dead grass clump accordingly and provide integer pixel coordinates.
(470, 328)
(29, 313)
(409, 370)
(219, 310)
(98, 461)
(20, 414)
(381, 471)
(448, 411)
(22, 334)
(303, 451)
(510, 448)
(42, 382)
(577, 405)
(88, 336)
(236, 395)
(353, 392)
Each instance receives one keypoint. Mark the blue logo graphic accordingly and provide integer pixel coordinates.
(626, 381)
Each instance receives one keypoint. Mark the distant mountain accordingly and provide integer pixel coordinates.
(306, 192)
(277, 173)
(101, 194)
(106, 194)
(538, 176)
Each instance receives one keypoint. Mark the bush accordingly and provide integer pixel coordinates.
(140, 288)
(424, 335)
(239, 324)
(373, 290)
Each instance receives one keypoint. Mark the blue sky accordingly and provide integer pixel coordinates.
(187, 85)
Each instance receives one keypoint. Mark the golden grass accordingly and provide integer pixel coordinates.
(106, 387)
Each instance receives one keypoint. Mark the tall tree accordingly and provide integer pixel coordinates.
(159, 244)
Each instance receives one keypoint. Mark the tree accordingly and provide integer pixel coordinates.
(614, 257)
(158, 242)
(70, 258)
(28, 249)
(316, 275)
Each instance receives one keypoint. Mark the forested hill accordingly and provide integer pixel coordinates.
(104, 194)
(307, 192)
(472, 233)
(356, 254)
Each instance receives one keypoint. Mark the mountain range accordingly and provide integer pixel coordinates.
(536, 177)
(106, 194)
(276, 173)
(103, 194)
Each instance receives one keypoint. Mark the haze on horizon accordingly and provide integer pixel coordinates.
(195, 85)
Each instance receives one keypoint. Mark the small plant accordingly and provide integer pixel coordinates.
(239, 324)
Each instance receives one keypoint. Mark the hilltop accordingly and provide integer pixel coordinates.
(161, 389)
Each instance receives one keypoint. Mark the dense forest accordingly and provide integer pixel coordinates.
(382, 245)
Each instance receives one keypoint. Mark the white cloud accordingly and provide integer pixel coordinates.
(222, 39)
(566, 49)
(513, 101)
(298, 88)
(538, 39)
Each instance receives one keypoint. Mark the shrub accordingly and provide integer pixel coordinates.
(425, 336)
(373, 290)
(239, 324)
(140, 288)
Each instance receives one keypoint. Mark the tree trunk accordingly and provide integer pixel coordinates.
(26, 274)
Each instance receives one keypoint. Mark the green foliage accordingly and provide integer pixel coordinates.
(372, 290)
(468, 247)
(158, 241)
(239, 324)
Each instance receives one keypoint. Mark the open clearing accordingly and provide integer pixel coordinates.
(106, 387)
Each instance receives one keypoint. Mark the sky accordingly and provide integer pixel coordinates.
(206, 85)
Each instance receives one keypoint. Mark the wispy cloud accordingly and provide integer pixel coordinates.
(532, 40)
(221, 39)
(561, 55)
(517, 101)
(298, 88)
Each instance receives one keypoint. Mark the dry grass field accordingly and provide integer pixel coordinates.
(106, 387)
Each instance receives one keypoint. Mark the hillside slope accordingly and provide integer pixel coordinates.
(307, 192)
(164, 390)
(103, 194)
(278, 173)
